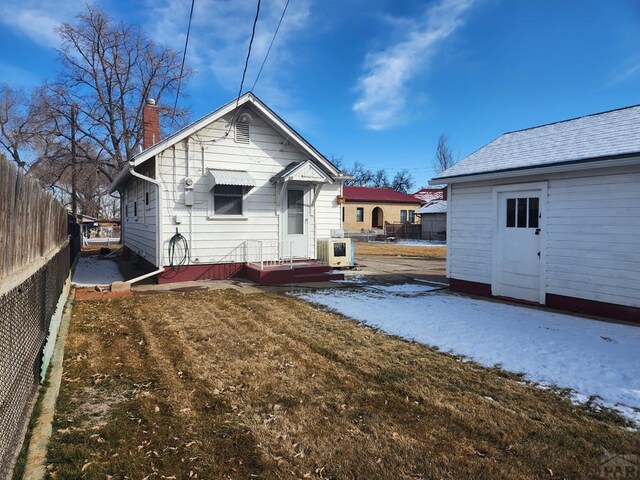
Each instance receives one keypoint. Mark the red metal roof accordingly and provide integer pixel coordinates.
(372, 194)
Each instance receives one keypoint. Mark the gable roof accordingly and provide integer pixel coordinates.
(437, 206)
(426, 195)
(248, 98)
(601, 136)
(304, 171)
(373, 194)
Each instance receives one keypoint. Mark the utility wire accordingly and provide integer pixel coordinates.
(246, 65)
(270, 45)
(246, 62)
(184, 56)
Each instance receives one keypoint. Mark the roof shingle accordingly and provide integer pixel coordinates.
(601, 135)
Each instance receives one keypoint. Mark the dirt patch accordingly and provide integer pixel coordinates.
(87, 293)
(223, 385)
(394, 249)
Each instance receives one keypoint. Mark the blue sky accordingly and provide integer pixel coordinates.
(378, 81)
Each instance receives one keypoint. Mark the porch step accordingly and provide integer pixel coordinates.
(284, 274)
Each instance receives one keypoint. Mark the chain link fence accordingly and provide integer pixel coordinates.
(25, 314)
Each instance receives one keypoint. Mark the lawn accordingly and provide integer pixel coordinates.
(398, 249)
(225, 385)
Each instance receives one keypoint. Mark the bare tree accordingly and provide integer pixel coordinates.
(362, 176)
(402, 181)
(16, 126)
(444, 158)
(108, 69)
(380, 179)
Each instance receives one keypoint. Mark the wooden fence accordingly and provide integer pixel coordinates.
(32, 222)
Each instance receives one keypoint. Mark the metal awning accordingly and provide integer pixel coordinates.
(230, 177)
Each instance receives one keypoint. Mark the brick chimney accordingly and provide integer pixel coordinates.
(150, 124)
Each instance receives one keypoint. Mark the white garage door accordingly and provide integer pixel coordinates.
(518, 250)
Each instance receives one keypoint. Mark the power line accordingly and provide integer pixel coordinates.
(246, 62)
(184, 56)
(270, 45)
(244, 71)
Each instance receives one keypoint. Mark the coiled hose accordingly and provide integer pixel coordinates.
(178, 250)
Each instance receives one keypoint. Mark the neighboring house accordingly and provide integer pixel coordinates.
(428, 195)
(551, 215)
(366, 208)
(434, 220)
(237, 187)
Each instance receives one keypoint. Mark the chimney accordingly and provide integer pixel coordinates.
(150, 124)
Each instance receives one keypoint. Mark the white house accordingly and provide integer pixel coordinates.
(551, 215)
(235, 191)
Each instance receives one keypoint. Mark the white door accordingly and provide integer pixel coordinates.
(518, 253)
(296, 225)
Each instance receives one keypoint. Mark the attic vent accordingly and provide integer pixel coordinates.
(242, 132)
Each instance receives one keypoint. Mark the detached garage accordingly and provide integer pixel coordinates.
(551, 215)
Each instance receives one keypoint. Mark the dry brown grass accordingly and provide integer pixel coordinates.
(392, 249)
(225, 385)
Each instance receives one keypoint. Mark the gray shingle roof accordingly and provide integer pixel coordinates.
(607, 134)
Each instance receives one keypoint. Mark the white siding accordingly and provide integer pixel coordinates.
(221, 240)
(469, 240)
(593, 233)
(593, 238)
(139, 232)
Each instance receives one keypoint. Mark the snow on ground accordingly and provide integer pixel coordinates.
(404, 289)
(593, 358)
(94, 270)
(421, 243)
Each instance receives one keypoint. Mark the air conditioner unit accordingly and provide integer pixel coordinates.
(336, 252)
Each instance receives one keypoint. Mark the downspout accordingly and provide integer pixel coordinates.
(159, 249)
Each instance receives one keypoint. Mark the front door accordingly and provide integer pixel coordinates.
(296, 225)
(518, 250)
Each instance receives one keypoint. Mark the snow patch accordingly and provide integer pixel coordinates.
(94, 270)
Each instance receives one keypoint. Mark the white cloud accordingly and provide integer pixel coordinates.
(383, 87)
(630, 68)
(220, 36)
(38, 19)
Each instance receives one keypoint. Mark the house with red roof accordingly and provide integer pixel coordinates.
(367, 208)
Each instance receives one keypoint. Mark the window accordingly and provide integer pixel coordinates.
(126, 211)
(360, 214)
(403, 216)
(523, 212)
(227, 199)
(412, 216)
(295, 212)
(343, 214)
(135, 209)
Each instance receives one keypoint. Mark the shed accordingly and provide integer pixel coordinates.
(434, 220)
(551, 215)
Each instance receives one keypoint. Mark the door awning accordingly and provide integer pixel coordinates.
(230, 177)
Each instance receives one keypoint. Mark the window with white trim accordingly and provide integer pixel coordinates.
(403, 216)
(227, 200)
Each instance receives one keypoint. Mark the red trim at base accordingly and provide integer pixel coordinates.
(591, 307)
(187, 273)
(472, 288)
(558, 302)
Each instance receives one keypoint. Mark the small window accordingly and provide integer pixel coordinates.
(135, 209)
(522, 213)
(412, 216)
(126, 211)
(403, 216)
(360, 214)
(227, 199)
(534, 212)
(146, 198)
(343, 214)
(511, 212)
(242, 132)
